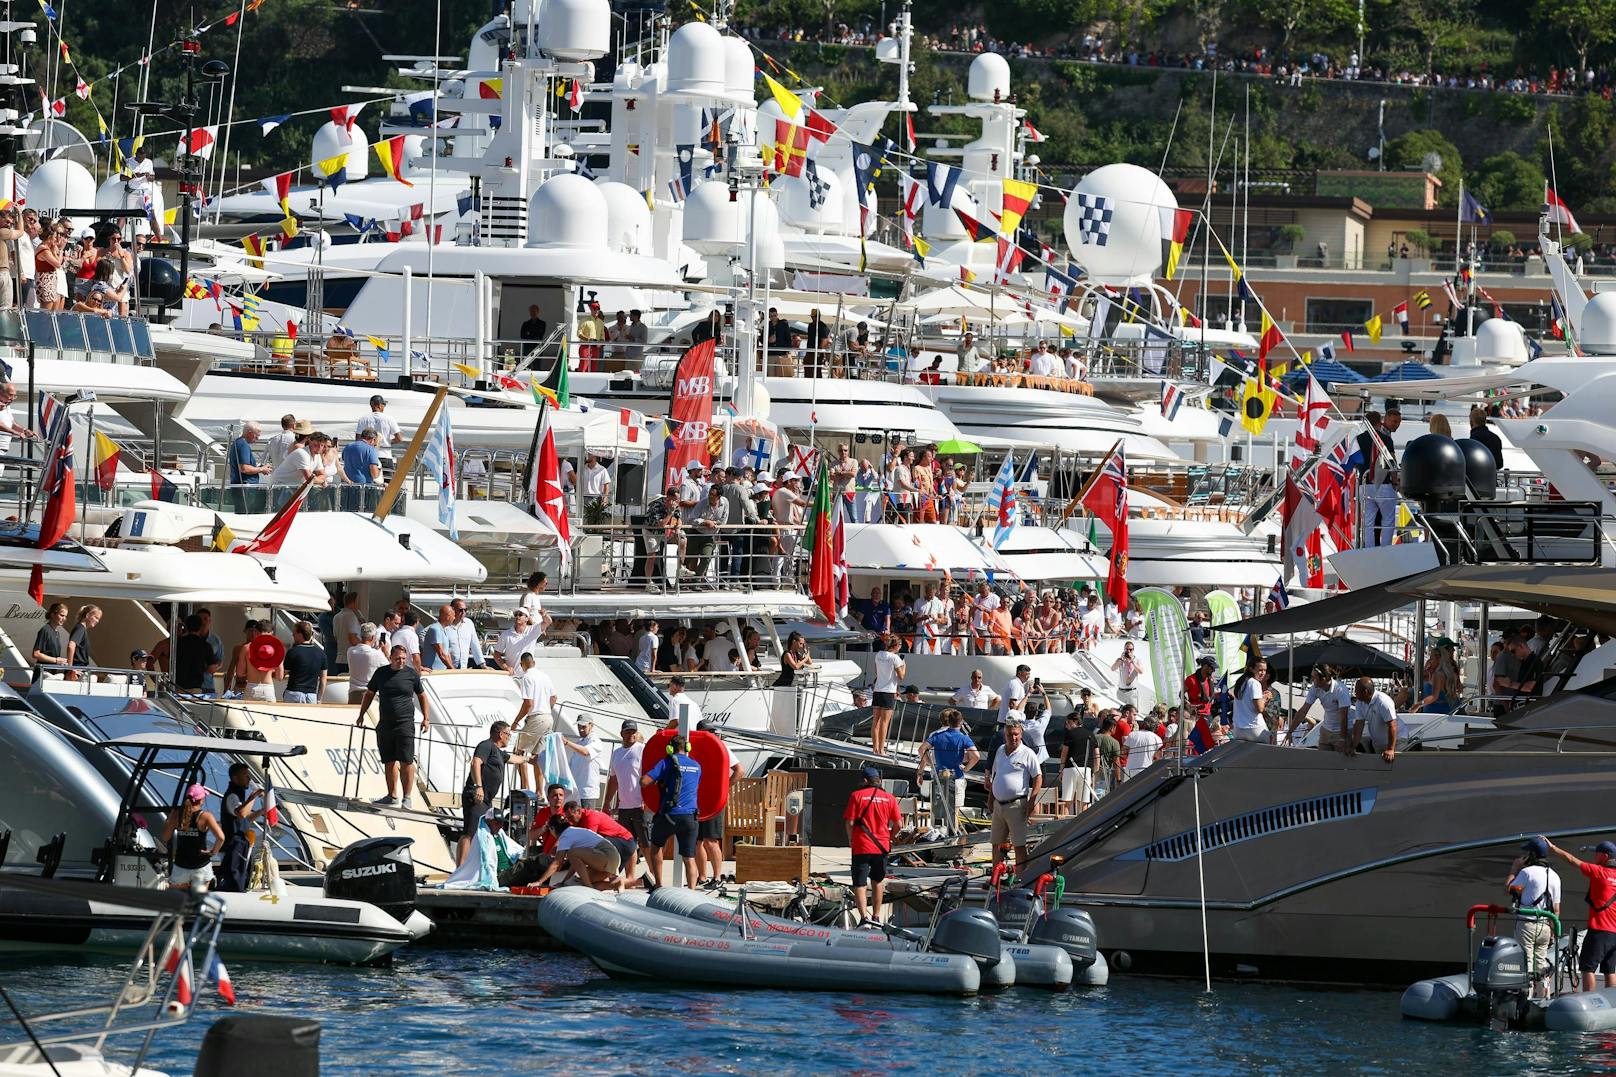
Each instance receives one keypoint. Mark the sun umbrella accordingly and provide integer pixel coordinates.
(957, 445)
(1349, 657)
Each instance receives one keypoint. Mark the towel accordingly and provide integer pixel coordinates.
(554, 763)
(480, 869)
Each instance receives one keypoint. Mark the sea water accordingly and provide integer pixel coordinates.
(496, 1012)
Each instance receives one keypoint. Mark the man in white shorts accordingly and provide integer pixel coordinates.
(535, 717)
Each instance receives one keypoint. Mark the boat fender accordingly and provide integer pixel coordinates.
(1122, 961)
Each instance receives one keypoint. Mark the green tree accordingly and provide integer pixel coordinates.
(1508, 181)
(1437, 24)
(1315, 17)
(1586, 23)
(1411, 152)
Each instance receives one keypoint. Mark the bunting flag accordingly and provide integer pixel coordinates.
(1270, 339)
(1400, 311)
(333, 166)
(221, 537)
(199, 142)
(161, 488)
(1257, 400)
(979, 232)
(1347, 340)
(281, 188)
(251, 306)
(789, 103)
(345, 115)
(1312, 421)
(1032, 133)
(1372, 327)
(1300, 518)
(81, 90)
(491, 89)
(575, 96)
(269, 541)
(106, 461)
(866, 167)
(221, 979)
(911, 190)
(178, 964)
(1105, 498)
(253, 244)
(391, 154)
(1017, 197)
(289, 228)
(1175, 225)
(1278, 597)
(909, 131)
(269, 123)
(820, 128)
(790, 148)
(1007, 261)
(685, 155)
(921, 249)
(1172, 398)
(1422, 299)
(382, 351)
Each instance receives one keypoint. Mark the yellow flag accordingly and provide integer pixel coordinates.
(922, 248)
(331, 164)
(469, 371)
(1018, 195)
(1405, 518)
(1256, 405)
(1372, 327)
(789, 102)
(289, 226)
(1307, 358)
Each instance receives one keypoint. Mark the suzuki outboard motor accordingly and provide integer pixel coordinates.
(1501, 980)
(377, 870)
(1070, 929)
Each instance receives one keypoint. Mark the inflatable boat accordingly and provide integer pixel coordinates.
(1021, 964)
(1497, 988)
(628, 939)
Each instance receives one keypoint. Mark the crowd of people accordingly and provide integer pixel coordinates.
(987, 619)
(347, 475)
(1257, 61)
(46, 263)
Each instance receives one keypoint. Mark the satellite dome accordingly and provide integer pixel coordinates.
(764, 219)
(1113, 223)
(628, 218)
(61, 184)
(712, 223)
(1481, 470)
(1598, 323)
(567, 211)
(574, 29)
(739, 68)
(989, 78)
(697, 66)
(1433, 468)
(333, 139)
(1499, 340)
(811, 209)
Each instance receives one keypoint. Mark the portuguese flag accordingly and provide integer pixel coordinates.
(821, 545)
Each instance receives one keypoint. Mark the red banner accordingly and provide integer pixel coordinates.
(690, 412)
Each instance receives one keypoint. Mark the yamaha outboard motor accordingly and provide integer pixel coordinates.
(1073, 931)
(377, 870)
(972, 932)
(1014, 908)
(1501, 980)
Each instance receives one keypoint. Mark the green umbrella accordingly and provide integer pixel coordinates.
(956, 446)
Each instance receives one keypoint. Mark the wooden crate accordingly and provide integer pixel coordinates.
(770, 863)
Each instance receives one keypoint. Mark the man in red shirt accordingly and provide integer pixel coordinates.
(627, 851)
(872, 824)
(1599, 945)
(555, 798)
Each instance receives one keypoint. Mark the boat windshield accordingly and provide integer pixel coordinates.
(112, 717)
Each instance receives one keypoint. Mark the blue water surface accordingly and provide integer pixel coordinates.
(493, 1012)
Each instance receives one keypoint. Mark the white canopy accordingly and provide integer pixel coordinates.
(913, 550)
(1044, 553)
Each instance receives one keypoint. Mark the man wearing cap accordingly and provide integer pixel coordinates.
(1533, 885)
(872, 819)
(1014, 780)
(1598, 954)
(589, 758)
(623, 794)
(692, 493)
(387, 432)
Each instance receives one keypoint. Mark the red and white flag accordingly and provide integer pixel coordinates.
(1301, 519)
(1400, 311)
(270, 540)
(221, 980)
(1556, 211)
(179, 966)
(199, 142)
(1033, 134)
(575, 96)
(629, 426)
(1313, 423)
(345, 115)
(81, 90)
(549, 501)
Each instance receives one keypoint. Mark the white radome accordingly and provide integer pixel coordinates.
(1598, 324)
(61, 184)
(628, 218)
(333, 139)
(1499, 340)
(574, 29)
(796, 205)
(739, 79)
(989, 78)
(567, 211)
(696, 62)
(712, 223)
(1113, 223)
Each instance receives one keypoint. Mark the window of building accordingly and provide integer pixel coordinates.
(1332, 315)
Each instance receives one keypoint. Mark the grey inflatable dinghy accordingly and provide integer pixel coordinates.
(1020, 965)
(625, 938)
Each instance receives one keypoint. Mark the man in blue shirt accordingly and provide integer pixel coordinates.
(437, 642)
(953, 753)
(678, 779)
(874, 613)
(245, 470)
(361, 468)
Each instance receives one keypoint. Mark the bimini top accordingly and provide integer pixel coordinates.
(914, 550)
(192, 742)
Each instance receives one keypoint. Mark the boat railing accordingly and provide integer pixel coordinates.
(258, 498)
(1511, 532)
(74, 336)
(729, 557)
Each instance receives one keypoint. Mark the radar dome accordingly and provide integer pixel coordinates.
(1598, 322)
(61, 184)
(989, 78)
(1481, 470)
(811, 209)
(1433, 468)
(332, 140)
(567, 211)
(712, 223)
(115, 194)
(628, 218)
(1499, 340)
(764, 220)
(739, 67)
(574, 29)
(1113, 223)
(696, 62)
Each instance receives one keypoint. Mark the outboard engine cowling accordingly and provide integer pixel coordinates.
(1012, 908)
(1502, 980)
(378, 870)
(972, 932)
(1073, 931)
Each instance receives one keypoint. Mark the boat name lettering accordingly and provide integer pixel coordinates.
(602, 693)
(700, 385)
(25, 613)
(370, 761)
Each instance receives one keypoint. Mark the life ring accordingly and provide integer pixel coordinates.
(710, 753)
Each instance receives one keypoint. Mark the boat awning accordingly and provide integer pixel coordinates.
(191, 742)
(918, 550)
(1044, 553)
(1583, 594)
(694, 604)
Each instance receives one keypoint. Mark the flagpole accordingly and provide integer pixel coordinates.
(1088, 484)
(230, 111)
(401, 472)
(1458, 225)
